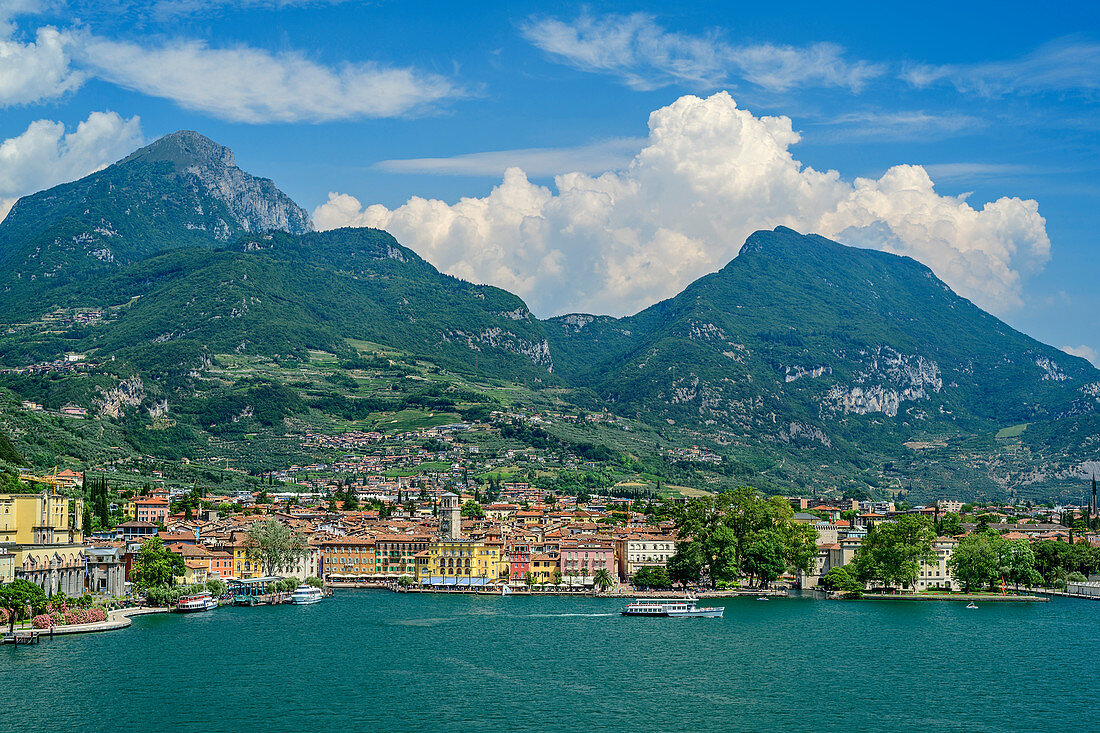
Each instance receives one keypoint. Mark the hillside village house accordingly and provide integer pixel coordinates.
(153, 509)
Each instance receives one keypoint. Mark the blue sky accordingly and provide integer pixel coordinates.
(385, 102)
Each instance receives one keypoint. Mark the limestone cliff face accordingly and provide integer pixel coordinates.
(255, 203)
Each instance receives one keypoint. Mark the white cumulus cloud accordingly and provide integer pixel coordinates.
(45, 154)
(37, 70)
(708, 175)
(645, 55)
(247, 84)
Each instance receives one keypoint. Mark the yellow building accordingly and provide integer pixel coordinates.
(129, 510)
(344, 558)
(544, 569)
(7, 566)
(461, 559)
(44, 533)
(245, 566)
(195, 572)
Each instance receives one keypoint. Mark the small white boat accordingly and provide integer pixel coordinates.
(670, 608)
(303, 595)
(972, 604)
(505, 590)
(197, 602)
(762, 598)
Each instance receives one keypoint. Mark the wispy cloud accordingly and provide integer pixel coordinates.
(539, 162)
(976, 171)
(142, 11)
(900, 125)
(239, 83)
(1064, 65)
(247, 84)
(644, 55)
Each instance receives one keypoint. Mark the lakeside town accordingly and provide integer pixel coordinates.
(375, 518)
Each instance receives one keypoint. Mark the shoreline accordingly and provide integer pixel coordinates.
(959, 597)
(117, 619)
(768, 593)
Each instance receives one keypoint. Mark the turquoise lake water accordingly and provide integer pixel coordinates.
(381, 661)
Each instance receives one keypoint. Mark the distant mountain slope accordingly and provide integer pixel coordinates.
(279, 294)
(799, 335)
(804, 362)
(182, 190)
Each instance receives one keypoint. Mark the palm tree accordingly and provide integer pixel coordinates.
(603, 579)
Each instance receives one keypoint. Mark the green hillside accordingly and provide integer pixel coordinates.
(802, 365)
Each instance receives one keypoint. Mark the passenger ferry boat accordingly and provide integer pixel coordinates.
(197, 602)
(670, 608)
(306, 594)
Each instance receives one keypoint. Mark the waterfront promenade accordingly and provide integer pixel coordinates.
(117, 619)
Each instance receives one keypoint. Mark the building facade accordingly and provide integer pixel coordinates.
(106, 571)
(580, 559)
(450, 517)
(45, 536)
(634, 552)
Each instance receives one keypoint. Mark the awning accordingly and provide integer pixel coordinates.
(460, 582)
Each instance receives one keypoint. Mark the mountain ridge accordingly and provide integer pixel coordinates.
(799, 352)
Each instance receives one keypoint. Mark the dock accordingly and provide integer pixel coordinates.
(21, 637)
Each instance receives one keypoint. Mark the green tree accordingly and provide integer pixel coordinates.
(742, 532)
(842, 579)
(155, 565)
(275, 546)
(799, 546)
(18, 597)
(950, 525)
(315, 582)
(892, 552)
(763, 557)
(686, 565)
(472, 510)
(603, 579)
(95, 491)
(652, 577)
(1016, 562)
(974, 561)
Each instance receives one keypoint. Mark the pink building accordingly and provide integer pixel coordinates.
(151, 510)
(583, 557)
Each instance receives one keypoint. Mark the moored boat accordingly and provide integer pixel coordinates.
(670, 608)
(305, 594)
(197, 602)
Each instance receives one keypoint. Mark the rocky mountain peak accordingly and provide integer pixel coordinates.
(256, 203)
(185, 149)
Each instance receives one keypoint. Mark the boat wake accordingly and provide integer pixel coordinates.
(563, 615)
